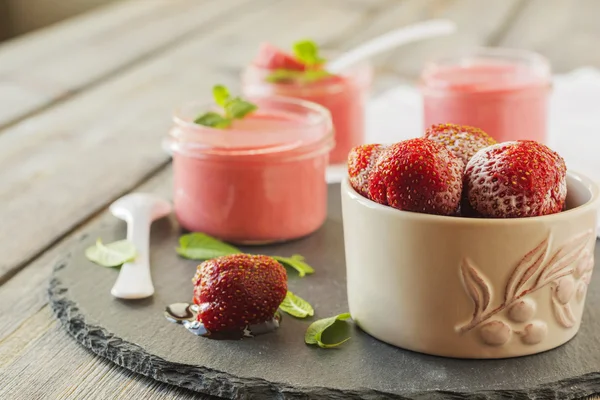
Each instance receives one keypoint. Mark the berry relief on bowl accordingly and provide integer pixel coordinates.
(303, 75)
(502, 91)
(255, 179)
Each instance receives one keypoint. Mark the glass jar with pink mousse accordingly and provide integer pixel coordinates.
(502, 91)
(344, 95)
(261, 180)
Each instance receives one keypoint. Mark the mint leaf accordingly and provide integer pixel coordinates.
(315, 331)
(238, 108)
(111, 254)
(235, 108)
(296, 306)
(289, 76)
(307, 51)
(200, 246)
(296, 262)
(221, 95)
(213, 120)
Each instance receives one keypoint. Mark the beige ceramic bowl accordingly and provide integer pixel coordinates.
(465, 287)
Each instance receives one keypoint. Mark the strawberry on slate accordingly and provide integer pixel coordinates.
(360, 161)
(463, 141)
(238, 290)
(417, 175)
(516, 179)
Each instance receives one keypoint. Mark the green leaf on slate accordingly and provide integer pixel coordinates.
(238, 108)
(213, 120)
(200, 246)
(221, 95)
(307, 51)
(111, 254)
(316, 329)
(296, 262)
(296, 306)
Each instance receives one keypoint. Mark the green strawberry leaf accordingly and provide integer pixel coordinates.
(213, 120)
(296, 306)
(288, 76)
(200, 246)
(112, 254)
(315, 331)
(233, 108)
(307, 52)
(221, 95)
(296, 262)
(238, 108)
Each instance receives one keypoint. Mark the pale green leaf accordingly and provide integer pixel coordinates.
(307, 51)
(221, 95)
(238, 108)
(111, 254)
(296, 306)
(296, 262)
(213, 120)
(200, 246)
(315, 331)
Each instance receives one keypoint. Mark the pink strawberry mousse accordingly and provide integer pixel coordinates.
(261, 180)
(343, 95)
(504, 92)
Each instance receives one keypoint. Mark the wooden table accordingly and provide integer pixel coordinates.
(85, 103)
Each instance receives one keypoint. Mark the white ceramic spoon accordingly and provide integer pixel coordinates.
(398, 37)
(139, 210)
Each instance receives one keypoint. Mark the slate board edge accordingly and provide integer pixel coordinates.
(217, 383)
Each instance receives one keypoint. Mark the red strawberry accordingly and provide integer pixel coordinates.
(516, 179)
(270, 57)
(360, 161)
(417, 175)
(238, 290)
(463, 141)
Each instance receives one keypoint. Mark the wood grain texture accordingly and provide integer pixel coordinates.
(57, 62)
(567, 32)
(60, 166)
(37, 357)
(45, 193)
(479, 22)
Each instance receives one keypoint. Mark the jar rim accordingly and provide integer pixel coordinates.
(537, 65)
(186, 134)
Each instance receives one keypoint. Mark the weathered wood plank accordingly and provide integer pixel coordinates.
(478, 22)
(55, 63)
(37, 357)
(60, 166)
(54, 366)
(567, 32)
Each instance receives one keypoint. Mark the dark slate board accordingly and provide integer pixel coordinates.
(135, 335)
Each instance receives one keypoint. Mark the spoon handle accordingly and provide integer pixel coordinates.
(134, 280)
(390, 40)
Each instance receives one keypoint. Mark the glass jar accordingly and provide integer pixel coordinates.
(262, 180)
(344, 95)
(502, 91)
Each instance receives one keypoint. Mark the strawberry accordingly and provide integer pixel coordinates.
(516, 179)
(360, 161)
(417, 175)
(462, 140)
(270, 57)
(238, 290)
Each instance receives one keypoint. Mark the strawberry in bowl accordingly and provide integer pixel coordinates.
(516, 179)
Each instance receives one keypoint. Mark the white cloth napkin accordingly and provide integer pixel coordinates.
(574, 120)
